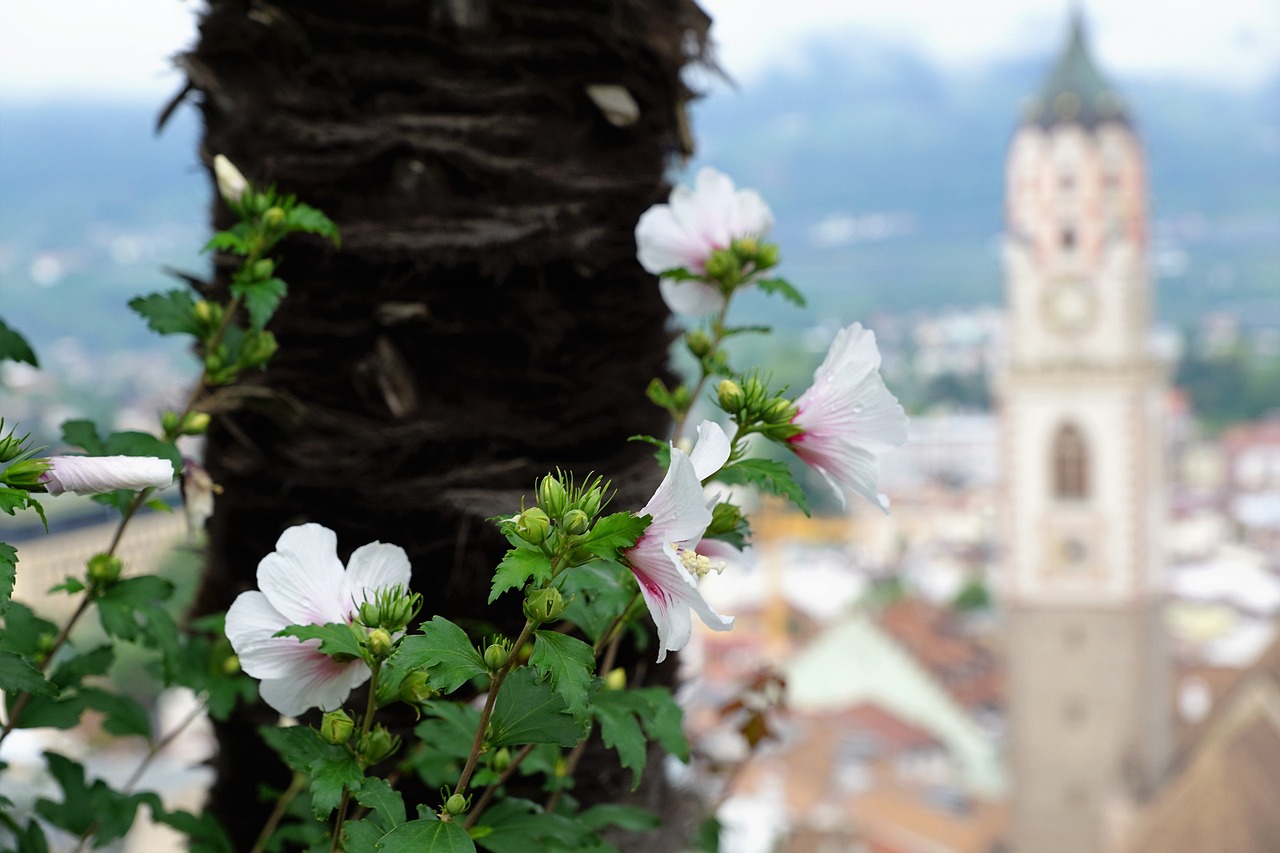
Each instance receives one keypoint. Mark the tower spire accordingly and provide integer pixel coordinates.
(1075, 91)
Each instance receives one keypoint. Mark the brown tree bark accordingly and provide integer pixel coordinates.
(485, 319)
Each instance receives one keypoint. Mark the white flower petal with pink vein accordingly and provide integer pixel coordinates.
(303, 583)
(691, 297)
(680, 517)
(848, 417)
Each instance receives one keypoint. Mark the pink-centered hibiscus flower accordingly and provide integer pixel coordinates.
(683, 233)
(663, 557)
(89, 475)
(848, 417)
(303, 582)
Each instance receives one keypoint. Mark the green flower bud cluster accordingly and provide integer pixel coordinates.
(336, 727)
(391, 609)
(376, 744)
(12, 446)
(564, 509)
(103, 570)
(195, 423)
(755, 408)
(457, 804)
(497, 654)
(24, 473)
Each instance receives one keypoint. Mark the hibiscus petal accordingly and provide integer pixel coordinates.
(670, 592)
(664, 244)
(711, 450)
(677, 507)
(376, 566)
(324, 685)
(252, 619)
(278, 657)
(694, 298)
(303, 578)
(751, 216)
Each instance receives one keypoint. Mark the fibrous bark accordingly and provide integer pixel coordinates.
(485, 319)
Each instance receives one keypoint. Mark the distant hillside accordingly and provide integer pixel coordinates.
(885, 175)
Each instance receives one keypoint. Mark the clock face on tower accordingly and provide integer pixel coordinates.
(1069, 306)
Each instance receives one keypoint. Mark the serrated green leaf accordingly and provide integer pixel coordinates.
(664, 721)
(596, 593)
(519, 564)
(8, 574)
(783, 288)
(261, 299)
(518, 826)
(168, 313)
(204, 833)
(298, 746)
(450, 729)
(427, 836)
(121, 715)
(129, 609)
(24, 629)
(386, 803)
(444, 651)
(12, 500)
(570, 664)
(109, 813)
(630, 818)
(234, 240)
(767, 474)
(359, 835)
(14, 347)
(614, 533)
(528, 710)
(303, 217)
(615, 711)
(17, 675)
(336, 638)
(330, 776)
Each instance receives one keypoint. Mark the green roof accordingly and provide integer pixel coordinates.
(1075, 91)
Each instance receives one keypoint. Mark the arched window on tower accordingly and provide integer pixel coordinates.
(1070, 464)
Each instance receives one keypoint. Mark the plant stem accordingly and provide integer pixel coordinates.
(277, 814)
(477, 743)
(611, 632)
(370, 708)
(717, 338)
(20, 703)
(487, 796)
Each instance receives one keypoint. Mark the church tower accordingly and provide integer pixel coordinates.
(1083, 456)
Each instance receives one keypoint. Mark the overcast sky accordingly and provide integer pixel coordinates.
(113, 49)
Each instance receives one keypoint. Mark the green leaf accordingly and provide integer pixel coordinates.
(746, 330)
(662, 451)
(528, 710)
(571, 665)
(386, 803)
(330, 776)
(83, 433)
(122, 715)
(444, 651)
(520, 564)
(517, 826)
(630, 818)
(361, 835)
(132, 443)
(261, 299)
(14, 347)
(302, 217)
(615, 711)
(450, 729)
(234, 240)
(17, 675)
(130, 610)
(614, 533)
(773, 477)
(83, 806)
(427, 836)
(23, 630)
(204, 833)
(298, 746)
(664, 721)
(783, 288)
(169, 313)
(72, 671)
(336, 638)
(596, 593)
(8, 574)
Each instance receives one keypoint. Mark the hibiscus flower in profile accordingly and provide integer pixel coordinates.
(664, 559)
(90, 475)
(848, 417)
(303, 582)
(683, 233)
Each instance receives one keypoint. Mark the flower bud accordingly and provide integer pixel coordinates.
(551, 496)
(698, 342)
(616, 679)
(779, 411)
(380, 644)
(263, 269)
(533, 525)
(87, 475)
(336, 727)
(576, 522)
(543, 605)
(767, 256)
(231, 184)
(457, 804)
(723, 267)
(273, 216)
(10, 447)
(730, 396)
(230, 665)
(590, 500)
(414, 689)
(207, 313)
(501, 759)
(258, 348)
(29, 472)
(169, 422)
(104, 569)
(195, 423)
(496, 655)
(746, 248)
(377, 744)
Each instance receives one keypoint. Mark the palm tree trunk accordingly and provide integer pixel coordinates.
(485, 319)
